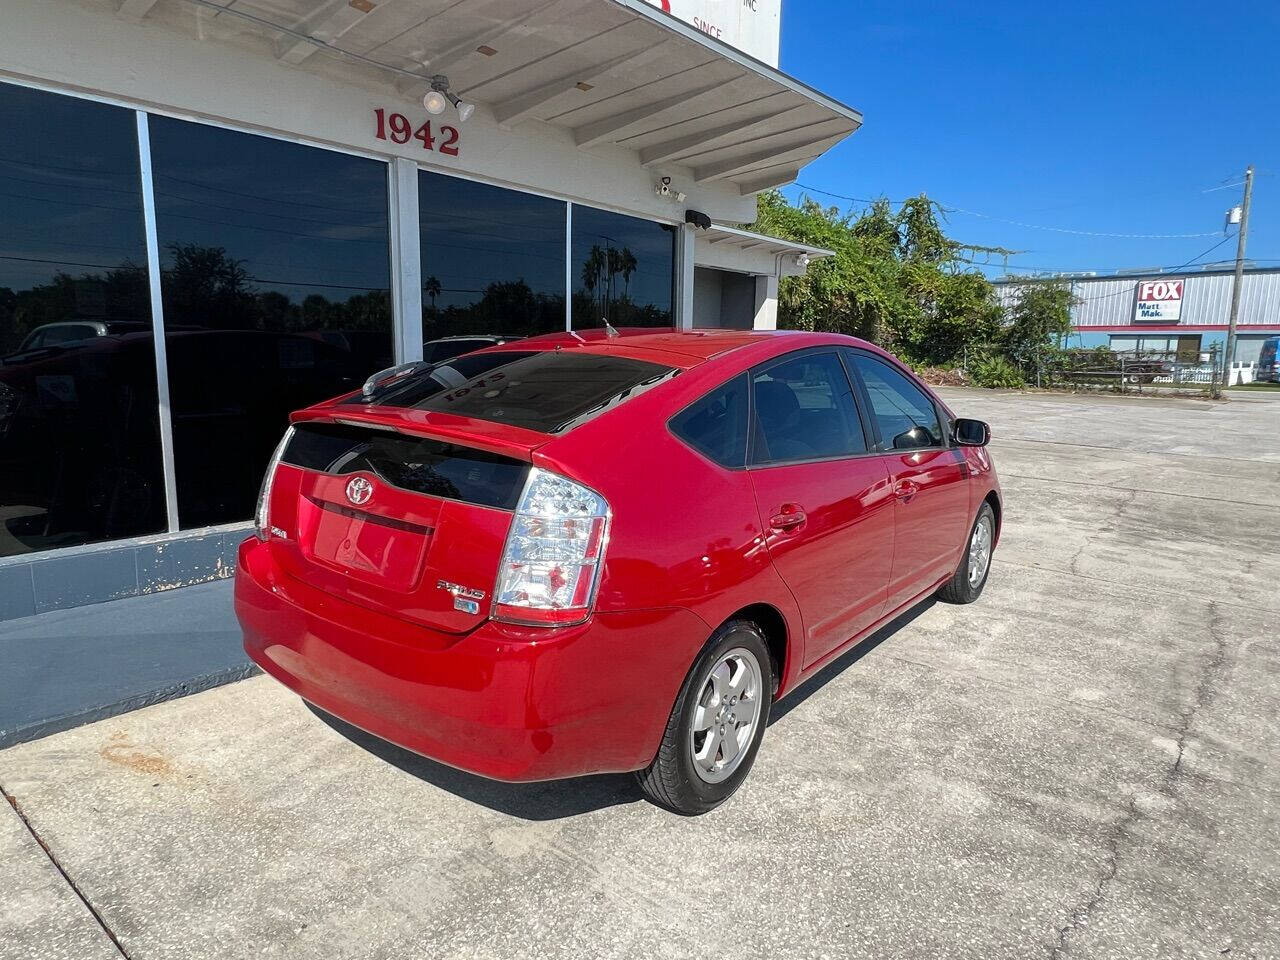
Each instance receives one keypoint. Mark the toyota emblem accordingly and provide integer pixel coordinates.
(359, 490)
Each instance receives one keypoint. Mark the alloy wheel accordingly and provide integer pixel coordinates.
(980, 551)
(726, 715)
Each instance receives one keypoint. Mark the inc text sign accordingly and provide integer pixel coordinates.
(752, 26)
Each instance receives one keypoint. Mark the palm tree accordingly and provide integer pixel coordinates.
(432, 288)
(629, 266)
(593, 271)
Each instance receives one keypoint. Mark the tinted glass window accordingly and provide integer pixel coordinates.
(492, 259)
(804, 410)
(716, 425)
(623, 270)
(904, 414)
(447, 349)
(410, 463)
(551, 391)
(276, 282)
(79, 436)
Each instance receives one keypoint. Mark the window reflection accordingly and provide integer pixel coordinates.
(276, 281)
(492, 259)
(623, 270)
(79, 439)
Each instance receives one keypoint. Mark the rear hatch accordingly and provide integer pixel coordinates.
(400, 499)
(411, 526)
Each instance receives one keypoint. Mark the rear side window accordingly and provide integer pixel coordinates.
(804, 410)
(416, 464)
(716, 425)
(550, 391)
(904, 414)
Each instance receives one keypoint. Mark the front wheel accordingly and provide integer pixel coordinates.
(716, 725)
(971, 576)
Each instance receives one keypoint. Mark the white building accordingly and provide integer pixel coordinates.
(215, 211)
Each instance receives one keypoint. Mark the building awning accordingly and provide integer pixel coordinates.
(611, 72)
(734, 238)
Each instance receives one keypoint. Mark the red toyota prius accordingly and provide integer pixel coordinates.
(590, 553)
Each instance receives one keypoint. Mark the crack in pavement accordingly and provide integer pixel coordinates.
(75, 888)
(1120, 832)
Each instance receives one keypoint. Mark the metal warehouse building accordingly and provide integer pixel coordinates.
(213, 212)
(1186, 312)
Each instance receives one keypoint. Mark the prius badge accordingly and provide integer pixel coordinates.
(465, 599)
(359, 490)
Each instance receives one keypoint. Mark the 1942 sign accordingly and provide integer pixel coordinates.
(398, 128)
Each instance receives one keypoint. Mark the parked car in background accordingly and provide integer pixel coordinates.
(595, 553)
(446, 348)
(1268, 367)
(76, 331)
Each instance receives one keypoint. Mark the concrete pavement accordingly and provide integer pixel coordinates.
(1082, 764)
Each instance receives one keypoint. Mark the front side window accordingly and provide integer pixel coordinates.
(804, 410)
(276, 279)
(79, 426)
(716, 425)
(904, 414)
(623, 270)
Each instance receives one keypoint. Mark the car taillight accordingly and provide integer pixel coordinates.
(551, 565)
(261, 516)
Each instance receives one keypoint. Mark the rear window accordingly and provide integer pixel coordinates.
(417, 464)
(549, 391)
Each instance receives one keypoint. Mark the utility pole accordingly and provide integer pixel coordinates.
(1239, 281)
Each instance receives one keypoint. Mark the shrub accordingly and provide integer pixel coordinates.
(991, 370)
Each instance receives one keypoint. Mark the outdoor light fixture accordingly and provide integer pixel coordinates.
(802, 260)
(439, 97)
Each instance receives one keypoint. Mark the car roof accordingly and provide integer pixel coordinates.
(684, 349)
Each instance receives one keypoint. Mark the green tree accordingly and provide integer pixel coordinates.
(895, 279)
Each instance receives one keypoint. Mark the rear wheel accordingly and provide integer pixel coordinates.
(716, 725)
(971, 576)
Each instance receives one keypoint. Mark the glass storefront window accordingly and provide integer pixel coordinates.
(492, 259)
(79, 439)
(623, 270)
(275, 271)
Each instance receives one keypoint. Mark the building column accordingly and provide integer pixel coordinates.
(685, 241)
(766, 304)
(406, 259)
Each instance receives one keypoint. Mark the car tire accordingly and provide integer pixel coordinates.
(677, 779)
(965, 586)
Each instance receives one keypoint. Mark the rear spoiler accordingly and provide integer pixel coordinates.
(508, 441)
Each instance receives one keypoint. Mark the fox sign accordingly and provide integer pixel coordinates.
(1159, 301)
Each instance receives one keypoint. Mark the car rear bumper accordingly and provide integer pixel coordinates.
(508, 703)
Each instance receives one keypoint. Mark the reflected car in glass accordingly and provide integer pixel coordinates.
(446, 348)
(587, 553)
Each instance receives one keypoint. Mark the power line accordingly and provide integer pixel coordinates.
(1019, 223)
(1129, 290)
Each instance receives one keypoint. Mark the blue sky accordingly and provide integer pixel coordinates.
(1111, 118)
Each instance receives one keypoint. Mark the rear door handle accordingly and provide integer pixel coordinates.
(789, 517)
(906, 490)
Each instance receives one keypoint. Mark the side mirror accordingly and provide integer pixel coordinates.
(971, 433)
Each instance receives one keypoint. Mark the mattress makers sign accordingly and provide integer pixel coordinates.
(1159, 301)
(752, 26)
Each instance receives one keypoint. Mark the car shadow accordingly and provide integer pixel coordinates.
(546, 800)
(846, 660)
(557, 799)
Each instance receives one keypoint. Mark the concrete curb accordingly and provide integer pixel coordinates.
(44, 728)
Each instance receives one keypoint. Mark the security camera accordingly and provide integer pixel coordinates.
(663, 187)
